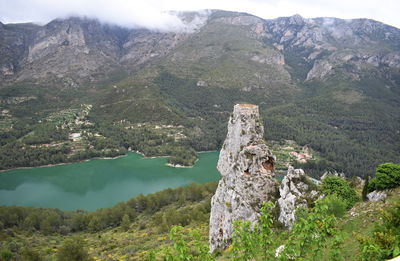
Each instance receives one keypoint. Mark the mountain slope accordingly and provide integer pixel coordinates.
(330, 83)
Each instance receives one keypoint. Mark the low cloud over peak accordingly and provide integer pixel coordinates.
(131, 14)
(154, 14)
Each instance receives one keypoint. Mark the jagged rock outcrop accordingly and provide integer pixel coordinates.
(247, 168)
(296, 191)
(332, 174)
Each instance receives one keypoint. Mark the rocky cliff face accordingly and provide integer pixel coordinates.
(84, 48)
(77, 49)
(247, 169)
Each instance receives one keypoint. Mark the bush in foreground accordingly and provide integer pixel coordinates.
(387, 176)
(73, 249)
(336, 205)
(340, 187)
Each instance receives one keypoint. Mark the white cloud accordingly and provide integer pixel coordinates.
(152, 13)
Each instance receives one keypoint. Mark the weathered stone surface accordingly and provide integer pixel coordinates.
(247, 169)
(377, 196)
(294, 192)
(359, 182)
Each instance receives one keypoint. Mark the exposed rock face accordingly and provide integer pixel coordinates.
(85, 48)
(319, 70)
(247, 168)
(294, 191)
(377, 196)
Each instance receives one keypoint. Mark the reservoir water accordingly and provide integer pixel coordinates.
(99, 183)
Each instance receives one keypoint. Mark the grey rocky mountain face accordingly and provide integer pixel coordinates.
(83, 50)
(86, 50)
(247, 169)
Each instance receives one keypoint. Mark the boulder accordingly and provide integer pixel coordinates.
(377, 196)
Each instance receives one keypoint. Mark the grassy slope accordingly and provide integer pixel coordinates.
(360, 220)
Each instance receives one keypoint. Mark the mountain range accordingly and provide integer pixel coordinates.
(328, 83)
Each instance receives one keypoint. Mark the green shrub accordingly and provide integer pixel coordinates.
(340, 187)
(126, 222)
(253, 242)
(94, 224)
(387, 176)
(183, 250)
(310, 233)
(6, 255)
(73, 249)
(30, 255)
(336, 205)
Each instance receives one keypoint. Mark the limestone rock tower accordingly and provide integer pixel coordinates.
(247, 169)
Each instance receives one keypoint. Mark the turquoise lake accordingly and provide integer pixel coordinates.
(99, 183)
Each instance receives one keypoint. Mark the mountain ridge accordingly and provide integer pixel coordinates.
(118, 38)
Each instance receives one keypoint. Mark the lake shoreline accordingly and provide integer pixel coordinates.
(116, 157)
(64, 163)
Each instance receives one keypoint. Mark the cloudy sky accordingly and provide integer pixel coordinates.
(152, 13)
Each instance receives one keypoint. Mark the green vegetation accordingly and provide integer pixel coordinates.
(302, 244)
(338, 186)
(182, 250)
(387, 176)
(385, 240)
(184, 156)
(345, 134)
(254, 242)
(341, 122)
(73, 249)
(336, 205)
